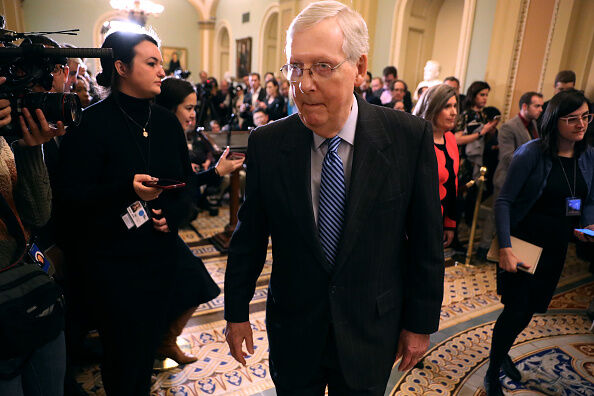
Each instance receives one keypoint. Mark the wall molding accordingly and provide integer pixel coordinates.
(465, 40)
(547, 53)
(519, 39)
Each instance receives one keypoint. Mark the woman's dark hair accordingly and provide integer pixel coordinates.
(123, 44)
(472, 92)
(173, 92)
(562, 104)
(274, 82)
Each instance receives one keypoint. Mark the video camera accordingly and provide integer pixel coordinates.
(183, 74)
(28, 65)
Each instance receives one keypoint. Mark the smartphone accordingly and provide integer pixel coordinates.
(165, 184)
(235, 156)
(497, 117)
(586, 231)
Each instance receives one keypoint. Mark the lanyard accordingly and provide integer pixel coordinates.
(567, 179)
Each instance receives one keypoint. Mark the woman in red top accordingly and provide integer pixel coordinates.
(439, 105)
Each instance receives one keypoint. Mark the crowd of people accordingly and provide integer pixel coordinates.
(354, 159)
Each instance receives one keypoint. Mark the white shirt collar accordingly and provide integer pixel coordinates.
(347, 133)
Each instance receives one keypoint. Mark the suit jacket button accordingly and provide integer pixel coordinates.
(332, 289)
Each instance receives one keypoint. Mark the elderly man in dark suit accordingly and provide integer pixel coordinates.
(348, 192)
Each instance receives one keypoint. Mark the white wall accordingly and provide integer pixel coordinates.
(447, 34)
(480, 43)
(231, 11)
(176, 26)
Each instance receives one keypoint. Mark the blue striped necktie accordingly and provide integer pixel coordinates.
(332, 200)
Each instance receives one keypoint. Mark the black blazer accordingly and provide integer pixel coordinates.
(389, 267)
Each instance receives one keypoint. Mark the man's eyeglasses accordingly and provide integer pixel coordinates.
(294, 73)
(575, 120)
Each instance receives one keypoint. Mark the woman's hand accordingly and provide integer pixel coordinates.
(583, 237)
(509, 262)
(161, 223)
(448, 237)
(206, 164)
(145, 193)
(37, 133)
(489, 126)
(226, 166)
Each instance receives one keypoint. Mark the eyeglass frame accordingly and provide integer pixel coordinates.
(311, 72)
(587, 118)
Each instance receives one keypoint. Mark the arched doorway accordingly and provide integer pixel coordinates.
(431, 29)
(222, 57)
(270, 42)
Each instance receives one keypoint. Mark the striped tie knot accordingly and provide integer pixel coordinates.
(333, 143)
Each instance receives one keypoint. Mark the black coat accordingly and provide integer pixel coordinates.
(389, 268)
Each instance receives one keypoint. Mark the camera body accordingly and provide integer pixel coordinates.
(27, 70)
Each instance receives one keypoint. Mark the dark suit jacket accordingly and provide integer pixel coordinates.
(512, 135)
(389, 267)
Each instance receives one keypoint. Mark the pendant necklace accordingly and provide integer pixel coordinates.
(144, 131)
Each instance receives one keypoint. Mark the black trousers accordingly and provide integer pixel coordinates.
(330, 374)
(511, 322)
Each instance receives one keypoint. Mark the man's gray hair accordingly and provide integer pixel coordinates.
(354, 28)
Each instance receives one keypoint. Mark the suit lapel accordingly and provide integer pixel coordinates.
(366, 177)
(524, 134)
(297, 184)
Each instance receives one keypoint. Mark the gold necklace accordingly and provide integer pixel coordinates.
(144, 131)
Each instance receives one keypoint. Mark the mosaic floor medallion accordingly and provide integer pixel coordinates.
(555, 355)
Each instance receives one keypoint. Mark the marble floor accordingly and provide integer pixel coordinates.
(555, 353)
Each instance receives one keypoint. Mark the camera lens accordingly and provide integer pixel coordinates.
(56, 106)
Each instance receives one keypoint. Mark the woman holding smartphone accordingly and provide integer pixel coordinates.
(120, 235)
(439, 105)
(547, 194)
(193, 285)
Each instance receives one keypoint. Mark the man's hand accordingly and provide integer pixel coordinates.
(37, 133)
(448, 237)
(5, 108)
(236, 333)
(145, 193)
(160, 224)
(411, 347)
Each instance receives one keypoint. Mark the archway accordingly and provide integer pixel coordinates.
(270, 41)
(429, 29)
(222, 57)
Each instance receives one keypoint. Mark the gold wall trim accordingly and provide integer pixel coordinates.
(547, 54)
(511, 82)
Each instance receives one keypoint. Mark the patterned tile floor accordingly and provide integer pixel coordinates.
(455, 363)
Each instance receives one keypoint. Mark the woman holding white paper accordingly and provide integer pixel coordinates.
(547, 194)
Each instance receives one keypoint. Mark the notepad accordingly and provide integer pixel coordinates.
(526, 252)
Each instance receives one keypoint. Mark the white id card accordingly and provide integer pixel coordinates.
(138, 213)
(128, 221)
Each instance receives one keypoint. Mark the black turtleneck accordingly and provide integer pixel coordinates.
(98, 161)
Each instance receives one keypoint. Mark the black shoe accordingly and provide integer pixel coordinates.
(510, 369)
(492, 385)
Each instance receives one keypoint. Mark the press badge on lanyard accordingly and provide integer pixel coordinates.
(136, 215)
(573, 206)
